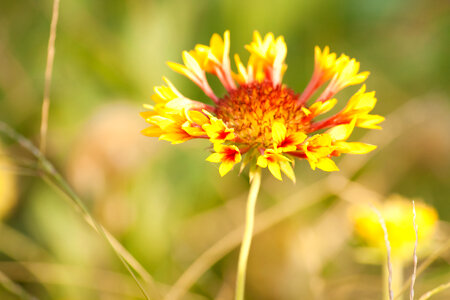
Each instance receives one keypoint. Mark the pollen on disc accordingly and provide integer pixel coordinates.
(251, 110)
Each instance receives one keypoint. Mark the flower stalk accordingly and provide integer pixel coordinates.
(248, 233)
(397, 278)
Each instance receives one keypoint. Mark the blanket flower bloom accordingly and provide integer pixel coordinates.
(260, 121)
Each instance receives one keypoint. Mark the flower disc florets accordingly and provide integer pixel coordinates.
(252, 109)
(259, 118)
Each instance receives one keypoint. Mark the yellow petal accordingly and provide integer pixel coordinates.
(312, 162)
(215, 158)
(298, 137)
(359, 148)
(191, 63)
(287, 170)
(341, 132)
(262, 161)
(179, 68)
(193, 130)
(359, 78)
(219, 147)
(152, 131)
(225, 168)
(320, 107)
(366, 102)
(306, 111)
(278, 132)
(242, 76)
(327, 164)
(175, 137)
(369, 121)
(197, 117)
(274, 168)
(160, 121)
(147, 114)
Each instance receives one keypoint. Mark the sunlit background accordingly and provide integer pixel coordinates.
(165, 203)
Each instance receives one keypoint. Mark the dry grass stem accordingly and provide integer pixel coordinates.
(388, 250)
(426, 263)
(48, 75)
(414, 274)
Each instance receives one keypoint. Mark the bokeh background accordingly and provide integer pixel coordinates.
(165, 203)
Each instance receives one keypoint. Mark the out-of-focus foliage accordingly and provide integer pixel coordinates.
(165, 203)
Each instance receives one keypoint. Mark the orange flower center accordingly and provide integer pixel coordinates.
(251, 110)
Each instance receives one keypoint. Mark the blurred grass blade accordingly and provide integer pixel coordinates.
(14, 289)
(48, 74)
(52, 176)
(434, 291)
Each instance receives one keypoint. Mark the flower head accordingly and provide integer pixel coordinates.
(398, 215)
(259, 117)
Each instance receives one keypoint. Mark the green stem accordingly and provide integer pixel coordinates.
(248, 232)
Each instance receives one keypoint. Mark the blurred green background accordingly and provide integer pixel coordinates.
(165, 203)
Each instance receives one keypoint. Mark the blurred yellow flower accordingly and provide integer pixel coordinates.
(8, 192)
(259, 117)
(398, 215)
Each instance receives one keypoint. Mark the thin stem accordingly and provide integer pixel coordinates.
(423, 266)
(387, 270)
(48, 74)
(248, 233)
(413, 276)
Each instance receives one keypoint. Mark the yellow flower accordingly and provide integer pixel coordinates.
(259, 117)
(8, 191)
(398, 215)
